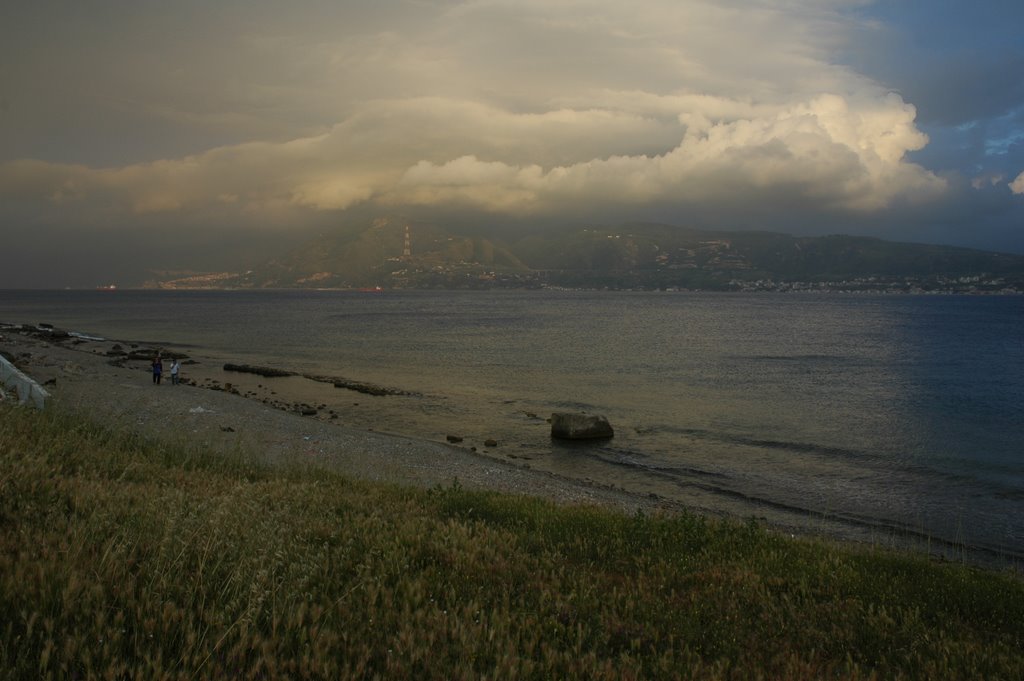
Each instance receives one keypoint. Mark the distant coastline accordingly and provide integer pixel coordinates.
(971, 286)
(402, 255)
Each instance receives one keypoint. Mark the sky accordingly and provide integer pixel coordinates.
(138, 136)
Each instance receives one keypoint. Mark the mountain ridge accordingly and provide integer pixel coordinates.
(401, 253)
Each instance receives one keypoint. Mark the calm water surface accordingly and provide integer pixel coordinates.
(885, 415)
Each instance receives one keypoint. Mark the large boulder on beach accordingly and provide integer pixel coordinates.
(572, 426)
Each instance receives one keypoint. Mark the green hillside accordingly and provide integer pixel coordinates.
(375, 256)
(639, 255)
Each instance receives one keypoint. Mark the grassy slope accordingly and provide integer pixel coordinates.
(126, 559)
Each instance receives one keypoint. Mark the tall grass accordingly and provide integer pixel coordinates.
(122, 558)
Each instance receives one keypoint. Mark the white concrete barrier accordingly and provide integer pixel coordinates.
(27, 389)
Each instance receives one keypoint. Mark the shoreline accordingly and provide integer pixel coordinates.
(80, 375)
(110, 381)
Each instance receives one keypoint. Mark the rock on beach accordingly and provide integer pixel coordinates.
(571, 426)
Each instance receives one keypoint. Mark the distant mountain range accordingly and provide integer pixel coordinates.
(397, 253)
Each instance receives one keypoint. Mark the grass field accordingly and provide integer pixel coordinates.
(127, 559)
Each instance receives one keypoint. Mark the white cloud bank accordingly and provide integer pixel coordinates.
(826, 152)
(1017, 186)
(518, 108)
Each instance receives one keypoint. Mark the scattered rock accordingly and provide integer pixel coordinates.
(569, 426)
(227, 429)
(366, 388)
(268, 372)
(46, 331)
(453, 438)
(490, 442)
(308, 411)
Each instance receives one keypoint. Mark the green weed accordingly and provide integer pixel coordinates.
(125, 558)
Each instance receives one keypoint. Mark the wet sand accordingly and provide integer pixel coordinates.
(230, 411)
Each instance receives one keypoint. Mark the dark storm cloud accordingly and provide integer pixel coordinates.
(250, 119)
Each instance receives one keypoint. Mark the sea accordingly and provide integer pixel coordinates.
(884, 418)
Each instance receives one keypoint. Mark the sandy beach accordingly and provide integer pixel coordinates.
(111, 382)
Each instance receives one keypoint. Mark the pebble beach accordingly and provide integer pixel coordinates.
(111, 382)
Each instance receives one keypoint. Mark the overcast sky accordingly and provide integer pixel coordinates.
(137, 134)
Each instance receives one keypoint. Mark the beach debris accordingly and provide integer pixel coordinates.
(573, 426)
(200, 410)
(143, 355)
(27, 389)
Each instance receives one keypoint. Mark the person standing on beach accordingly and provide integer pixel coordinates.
(158, 369)
(175, 367)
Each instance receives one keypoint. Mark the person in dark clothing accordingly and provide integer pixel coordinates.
(158, 369)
